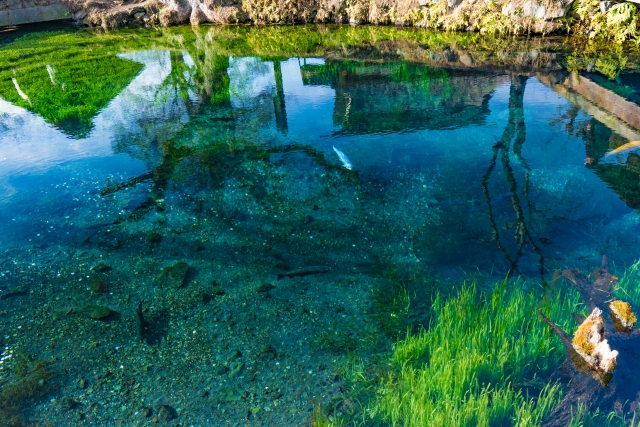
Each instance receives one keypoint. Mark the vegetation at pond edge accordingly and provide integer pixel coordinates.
(594, 18)
(485, 359)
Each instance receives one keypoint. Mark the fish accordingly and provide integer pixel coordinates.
(305, 271)
(346, 163)
(620, 154)
(141, 323)
(20, 92)
(52, 74)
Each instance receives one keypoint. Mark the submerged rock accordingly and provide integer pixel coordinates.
(101, 267)
(589, 342)
(17, 291)
(622, 312)
(96, 312)
(173, 276)
(229, 394)
(166, 413)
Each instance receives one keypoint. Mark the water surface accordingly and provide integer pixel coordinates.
(123, 154)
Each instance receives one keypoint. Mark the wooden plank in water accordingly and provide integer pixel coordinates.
(600, 113)
(604, 98)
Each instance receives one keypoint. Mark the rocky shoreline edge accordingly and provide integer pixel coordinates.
(486, 16)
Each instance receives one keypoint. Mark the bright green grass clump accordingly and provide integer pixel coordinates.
(629, 286)
(471, 366)
(67, 78)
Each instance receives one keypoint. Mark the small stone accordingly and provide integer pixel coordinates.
(229, 394)
(101, 268)
(450, 55)
(265, 287)
(173, 276)
(235, 368)
(166, 413)
(95, 311)
(466, 59)
(136, 10)
(234, 354)
(67, 404)
(268, 352)
(622, 312)
(435, 56)
(82, 383)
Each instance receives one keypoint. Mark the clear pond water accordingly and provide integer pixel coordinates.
(185, 170)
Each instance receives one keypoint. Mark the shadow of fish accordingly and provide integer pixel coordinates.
(306, 271)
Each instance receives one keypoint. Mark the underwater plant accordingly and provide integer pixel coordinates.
(478, 349)
(28, 379)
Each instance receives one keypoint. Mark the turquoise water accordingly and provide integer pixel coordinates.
(403, 177)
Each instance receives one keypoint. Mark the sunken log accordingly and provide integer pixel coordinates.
(616, 389)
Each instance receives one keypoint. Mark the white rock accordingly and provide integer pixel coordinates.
(508, 9)
(591, 331)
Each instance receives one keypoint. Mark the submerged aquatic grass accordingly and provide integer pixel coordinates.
(628, 288)
(475, 363)
(483, 361)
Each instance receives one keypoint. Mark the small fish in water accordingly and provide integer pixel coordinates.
(620, 154)
(306, 271)
(346, 163)
(52, 74)
(22, 94)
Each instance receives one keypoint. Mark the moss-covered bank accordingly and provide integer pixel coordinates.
(587, 17)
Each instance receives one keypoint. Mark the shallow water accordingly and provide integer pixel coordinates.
(124, 153)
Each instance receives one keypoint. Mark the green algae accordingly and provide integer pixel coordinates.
(30, 379)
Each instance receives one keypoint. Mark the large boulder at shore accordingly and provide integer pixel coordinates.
(201, 11)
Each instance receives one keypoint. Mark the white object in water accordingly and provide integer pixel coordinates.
(20, 92)
(620, 154)
(52, 74)
(346, 163)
